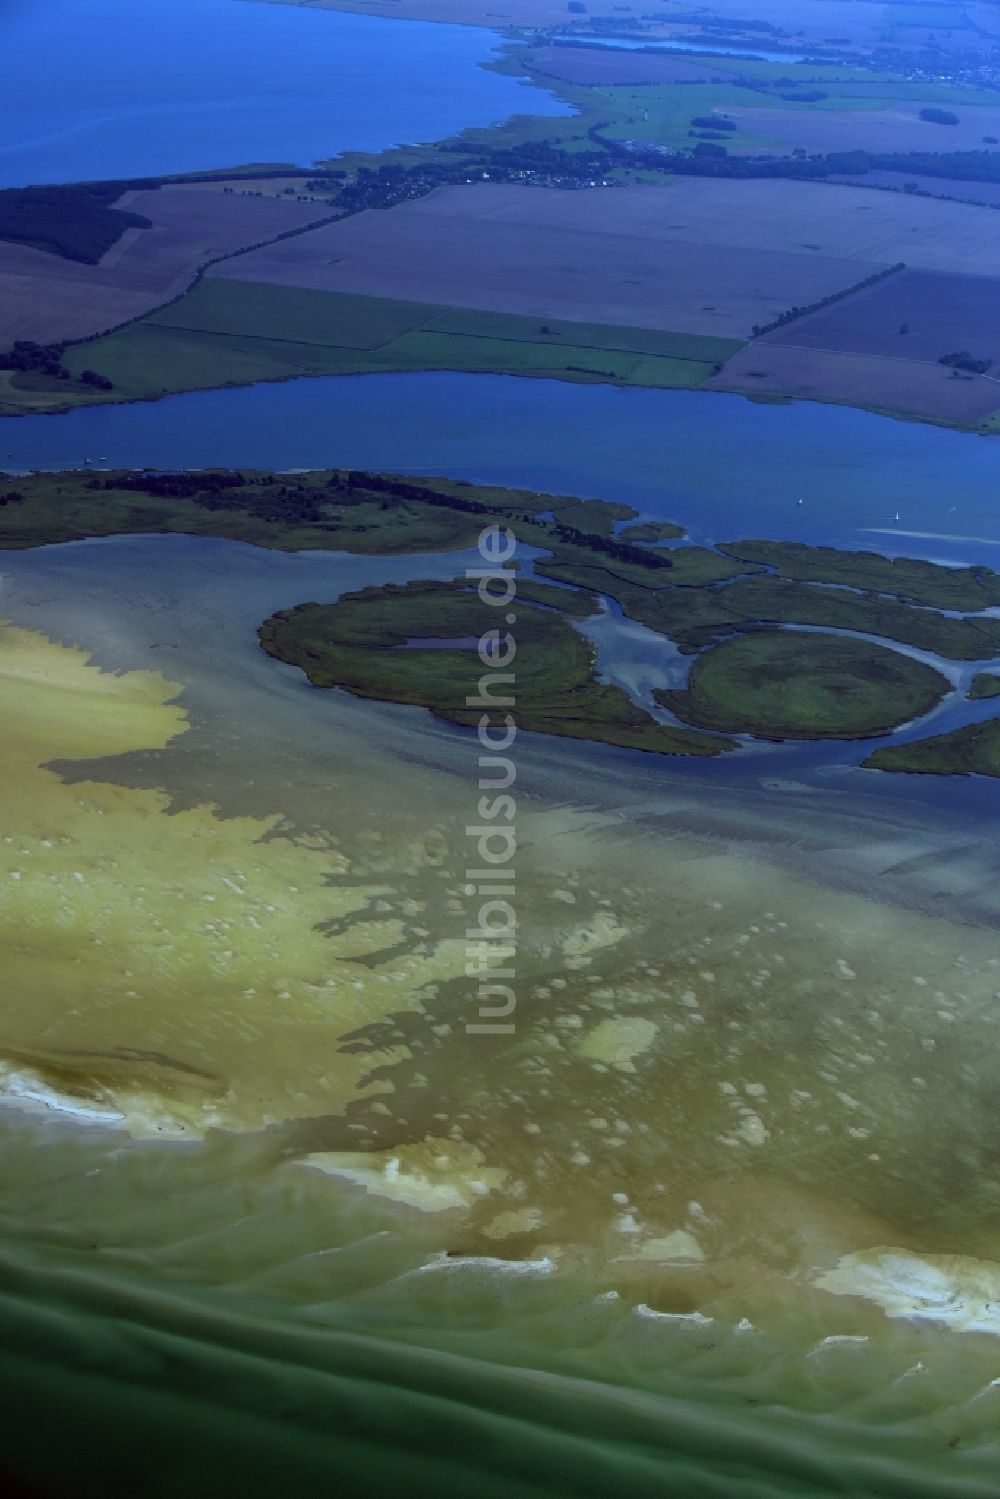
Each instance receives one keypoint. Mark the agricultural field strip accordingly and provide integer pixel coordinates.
(337, 334)
(429, 326)
(649, 279)
(758, 214)
(919, 319)
(904, 387)
(788, 343)
(47, 298)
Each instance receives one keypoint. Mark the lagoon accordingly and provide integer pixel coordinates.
(297, 86)
(723, 465)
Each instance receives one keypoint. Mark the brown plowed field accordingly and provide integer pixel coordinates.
(896, 129)
(925, 390)
(636, 257)
(943, 315)
(695, 256)
(802, 218)
(47, 298)
(597, 66)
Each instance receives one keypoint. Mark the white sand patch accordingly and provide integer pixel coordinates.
(434, 1176)
(949, 1290)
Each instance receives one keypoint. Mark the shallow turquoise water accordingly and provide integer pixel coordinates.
(123, 88)
(218, 1318)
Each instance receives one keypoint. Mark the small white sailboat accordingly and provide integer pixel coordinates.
(897, 517)
(800, 502)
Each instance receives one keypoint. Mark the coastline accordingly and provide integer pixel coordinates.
(507, 354)
(991, 429)
(719, 1215)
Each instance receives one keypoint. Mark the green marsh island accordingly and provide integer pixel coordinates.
(985, 685)
(778, 684)
(419, 644)
(973, 750)
(787, 641)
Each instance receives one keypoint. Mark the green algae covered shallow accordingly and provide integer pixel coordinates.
(696, 1222)
(118, 920)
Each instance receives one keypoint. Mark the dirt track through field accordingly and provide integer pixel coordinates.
(695, 256)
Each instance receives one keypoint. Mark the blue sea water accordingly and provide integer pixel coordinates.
(119, 88)
(722, 465)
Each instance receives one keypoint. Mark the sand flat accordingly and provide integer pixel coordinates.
(855, 379)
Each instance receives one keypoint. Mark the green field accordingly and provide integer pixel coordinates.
(553, 333)
(662, 113)
(777, 684)
(237, 332)
(289, 315)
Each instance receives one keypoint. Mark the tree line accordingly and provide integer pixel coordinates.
(793, 313)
